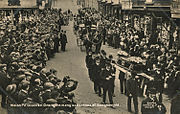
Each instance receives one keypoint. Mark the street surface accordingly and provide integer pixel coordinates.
(72, 63)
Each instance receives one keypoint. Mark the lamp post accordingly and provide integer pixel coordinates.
(120, 16)
(88, 3)
(99, 5)
(105, 8)
(111, 8)
(92, 3)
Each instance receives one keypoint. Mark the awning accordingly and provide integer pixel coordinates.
(109, 1)
(99, 0)
(116, 2)
(103, 1)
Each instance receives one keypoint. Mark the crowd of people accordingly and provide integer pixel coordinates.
(102, 72)
(33, 38)
(26, 44)
(140, 52)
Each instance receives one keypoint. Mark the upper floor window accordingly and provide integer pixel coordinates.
(14, 2)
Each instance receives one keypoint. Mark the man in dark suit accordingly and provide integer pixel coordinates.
(106, 76)
(96, 70)
(89, 61)
(63, 41)
(56, 44)
(132, 92)
(103, 59)
(121, 76)
(112, 62)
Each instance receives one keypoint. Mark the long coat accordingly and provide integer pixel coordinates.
(175, 104)
(132, 87)
(89, 62)
(121, 74)
(4, 82)
(107, 83)
(96, 70)
(64, 39)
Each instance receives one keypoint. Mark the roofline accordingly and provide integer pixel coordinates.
(19, 7)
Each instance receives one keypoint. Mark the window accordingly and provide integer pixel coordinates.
(149, 1)
(14, 2)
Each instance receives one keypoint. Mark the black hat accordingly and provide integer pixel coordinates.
(65, 79)
(133, 73)
(108, 64)
(97, 58)
(110, 56)
(93, 53)
(152, 90)
(90, 50)
(53, 70)
(103, 52)
(54, 94)
(108, 61)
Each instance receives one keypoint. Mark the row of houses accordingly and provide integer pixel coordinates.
(24, 4)
(10, 4)
(114, 7)
(151, 15)
(12, 8)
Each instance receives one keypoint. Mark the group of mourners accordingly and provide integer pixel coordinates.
(151, 58)
(102, 72)
(26, 44)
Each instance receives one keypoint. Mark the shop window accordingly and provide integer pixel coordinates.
(14, 2)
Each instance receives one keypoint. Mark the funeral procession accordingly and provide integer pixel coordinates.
(89, 56)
